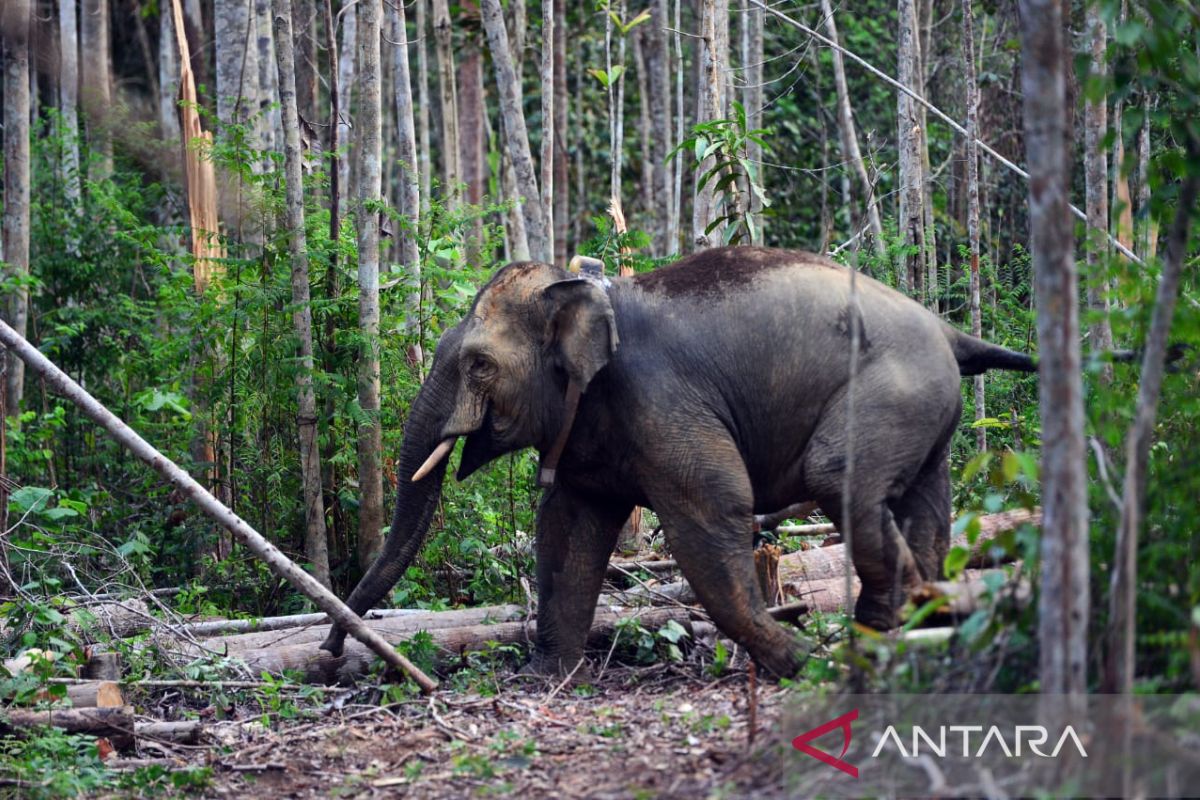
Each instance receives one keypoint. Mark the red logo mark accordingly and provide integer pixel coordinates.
(801, 743)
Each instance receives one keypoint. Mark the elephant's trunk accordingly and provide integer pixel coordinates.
(415, 500)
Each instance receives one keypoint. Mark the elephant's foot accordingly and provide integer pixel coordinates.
(782, 656)
(575, 668)
(882, 614)
(335, 641)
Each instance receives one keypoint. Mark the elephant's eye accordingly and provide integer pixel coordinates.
(480, 369)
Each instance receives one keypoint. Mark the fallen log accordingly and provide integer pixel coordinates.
(819, 529)
(186, 731)
(318, 666)
(96, 694)
(959, 598)
(820, 563)
(115, 724)
(402, 625)
(116, 619)
(270, 555)
(222, 627)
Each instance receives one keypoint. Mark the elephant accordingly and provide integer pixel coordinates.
(708, 390)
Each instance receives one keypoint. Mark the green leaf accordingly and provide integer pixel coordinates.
(976, 465)
(956, 561)
(601, 76)
(29, 498)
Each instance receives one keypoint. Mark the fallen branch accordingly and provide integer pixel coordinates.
(224, 627)
(404, 626)
(318, 666)
(279, 563)
(95, 694)
(115, 724)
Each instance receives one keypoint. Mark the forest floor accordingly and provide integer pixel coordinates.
(660, 731)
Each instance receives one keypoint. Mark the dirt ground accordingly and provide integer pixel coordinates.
(635, 732)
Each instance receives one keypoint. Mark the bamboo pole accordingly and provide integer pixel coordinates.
(279, 563)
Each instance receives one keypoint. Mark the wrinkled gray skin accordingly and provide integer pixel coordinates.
(715, 388)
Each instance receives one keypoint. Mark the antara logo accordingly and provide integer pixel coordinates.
(801, 742)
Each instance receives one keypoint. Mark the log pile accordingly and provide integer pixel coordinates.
(796, 584)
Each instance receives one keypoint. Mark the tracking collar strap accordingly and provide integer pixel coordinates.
(550, 460)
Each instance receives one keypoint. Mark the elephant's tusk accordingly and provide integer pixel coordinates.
(435, 457)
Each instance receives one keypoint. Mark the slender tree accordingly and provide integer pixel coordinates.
(1119, 672)
(1064, 598)
(369, 195)
(68, 98)
(561, 193)
(96, 76)
(714, 57)
(448, 100)
(1095, 114)
(515, 134)
(1148, 241)
(751, 40)
(848, 136)
(347, 50)
(547, 165)
(307, 72)
(658, 89)
(268, 122)
(972, 148)
(908, 142)
(168, 75)
(316, 547)
(424, 158)
(406, 144)
(15, 22)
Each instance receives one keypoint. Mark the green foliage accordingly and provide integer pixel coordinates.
(731, 175)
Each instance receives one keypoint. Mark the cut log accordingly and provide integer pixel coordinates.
(181, 732)
(766, 566)
(224, 627)
(102, 666)
(961, 598)
(96, 694)
(401, 625)
(830, 562)
(318, 666)
(115, 724)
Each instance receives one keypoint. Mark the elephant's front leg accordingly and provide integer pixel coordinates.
(575, 537)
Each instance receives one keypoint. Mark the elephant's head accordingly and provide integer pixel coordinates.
(499, 378)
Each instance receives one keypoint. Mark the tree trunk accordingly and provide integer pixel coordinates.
(269, 123)
(1119, 672)
(616, 101)
(849, 138)
(347, 50)
(1148, 241)
(15, 24)
(316, 547)
(410, 178)
(658, 88)
(675, 221)
(908, 141)
(752, 75)
(973, 203)
(647, 190)
(1064, 596)
(68, 98)
(370, 434)
(448, 97)
(561, 193)
(307, 71)
(237, 60)
(515, 134)
(424, 159)
(713, 47)
(96, 75)
(472, 134)
(548, 98)
(1096, 178)
(283, 567)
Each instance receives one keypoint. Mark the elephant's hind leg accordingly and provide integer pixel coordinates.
(923, 514)
(575, 537)
(709, 524)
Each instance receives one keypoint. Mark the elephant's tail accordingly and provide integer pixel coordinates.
(975, 356)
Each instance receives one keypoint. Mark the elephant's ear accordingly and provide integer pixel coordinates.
(582, 326)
